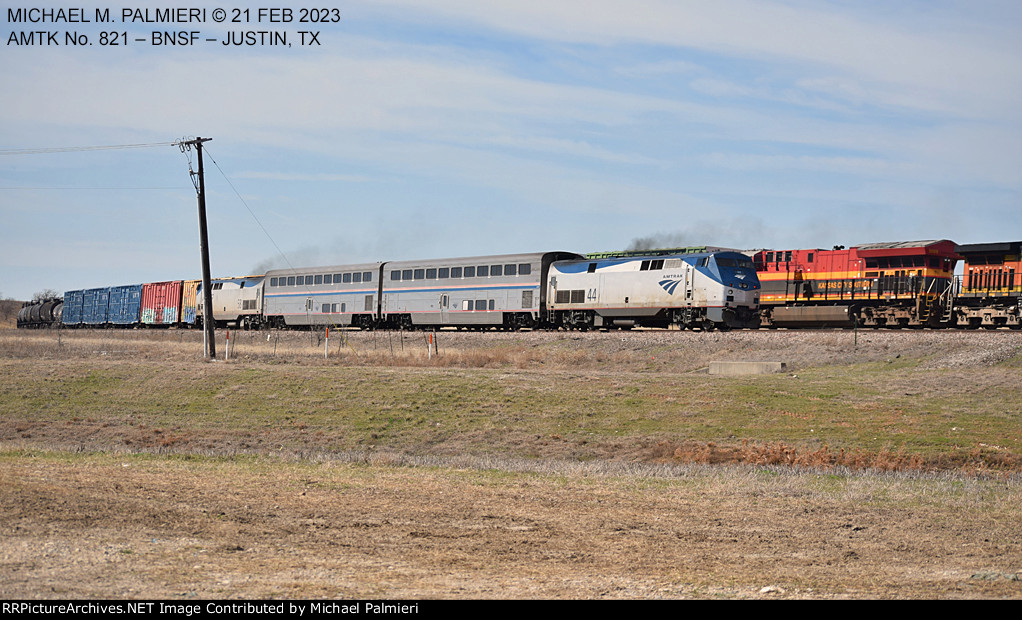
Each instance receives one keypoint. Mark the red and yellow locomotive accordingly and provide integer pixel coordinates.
(901, 284)
(990, 292)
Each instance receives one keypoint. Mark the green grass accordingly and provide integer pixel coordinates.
(872, 407)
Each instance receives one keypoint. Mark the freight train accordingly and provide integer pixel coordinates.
(705, 288)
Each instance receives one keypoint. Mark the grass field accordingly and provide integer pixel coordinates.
(880, 464)
(555, 398)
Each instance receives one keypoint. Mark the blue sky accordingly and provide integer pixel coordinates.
(458, 128)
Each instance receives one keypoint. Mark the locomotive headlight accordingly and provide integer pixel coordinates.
(731, 291)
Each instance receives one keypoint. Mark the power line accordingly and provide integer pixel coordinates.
(250, 212)
(74, 149)
(91, 188)
(268, 235)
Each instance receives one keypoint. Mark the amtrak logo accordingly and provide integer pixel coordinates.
(670, 285)
(739, 275)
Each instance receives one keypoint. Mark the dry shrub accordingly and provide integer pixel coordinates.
(782, 454)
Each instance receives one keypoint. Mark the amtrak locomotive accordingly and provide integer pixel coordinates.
(705, 290)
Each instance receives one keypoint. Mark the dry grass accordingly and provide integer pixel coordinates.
(977, 461)
(136, 526)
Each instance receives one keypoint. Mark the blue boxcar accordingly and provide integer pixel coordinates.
(72, 313)
(124, 305)
(95, 306)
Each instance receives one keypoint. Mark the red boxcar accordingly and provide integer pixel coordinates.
(876, 284)
(161, 303)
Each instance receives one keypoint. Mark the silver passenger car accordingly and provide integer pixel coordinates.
(504, 291)
(340, 295)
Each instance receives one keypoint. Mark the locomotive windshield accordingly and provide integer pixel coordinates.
(723, 261)
(736, 270)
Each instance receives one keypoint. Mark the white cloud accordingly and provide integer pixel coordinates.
(964, 58)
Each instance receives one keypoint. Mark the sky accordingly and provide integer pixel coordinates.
(451, 128)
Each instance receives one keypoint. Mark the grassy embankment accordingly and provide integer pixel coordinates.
(891, 414)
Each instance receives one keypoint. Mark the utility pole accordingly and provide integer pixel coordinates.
(208, 324)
